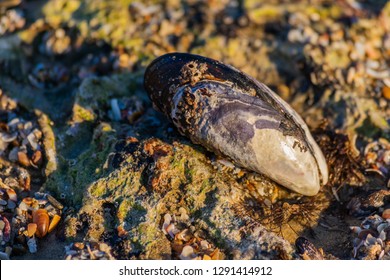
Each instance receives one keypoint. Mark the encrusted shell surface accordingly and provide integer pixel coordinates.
(232, 114)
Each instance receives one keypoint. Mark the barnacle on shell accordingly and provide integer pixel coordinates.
(232, 114)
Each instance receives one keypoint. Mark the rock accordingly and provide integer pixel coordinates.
(386, 214)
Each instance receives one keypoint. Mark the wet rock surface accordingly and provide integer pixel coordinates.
(89, 148)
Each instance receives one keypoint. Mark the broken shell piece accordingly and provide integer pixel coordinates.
(167, 222)
(8, 250)
(32, 245)
(183, 214)
(204, 245)
(36, 158)
(115, 111)
(54, 202)
(382, 236)
(98, 254)
(187, 253)
(51, 210)
(6, 229)
(8, 138)
(386, 214)
(382, 227)
(23, 159)
(171, 230)
(33, 141)
(79, 245)
(184, 235)
(215, 255)
(4, 256)
(31, 229)
(13, 123)
(23, 206)
(12, 195)
(28, 200)
(42, 202)
(13, 154)
(355, 229)
(54, 222)
(11, 204)
(370, 240)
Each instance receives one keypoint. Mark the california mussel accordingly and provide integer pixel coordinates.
(232, 114)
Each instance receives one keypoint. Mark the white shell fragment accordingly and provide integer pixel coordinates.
(187, 253)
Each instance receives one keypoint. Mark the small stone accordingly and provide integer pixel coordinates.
(31, 229)
(13, 154)
(104, 247)
(386, 92)
(98, 254)
(42, 201)
(54, 222)
(187, 253)
(11, 204)
(386, 214)
(2, 225)
(23, 206)
(50, 209)
(37, 158)
(28, 201)
(171, 230)
(78, 245)
(32, 245)
(215, 255)
(40, 195)
(3, 256)
(284, 91)
(167, 221)
(32, 141)
(351, 75)
(204, 244)
(12, 195)
(71, 253)
(23, 159)
(8, 250)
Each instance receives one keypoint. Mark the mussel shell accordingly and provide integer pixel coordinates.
(232, 114)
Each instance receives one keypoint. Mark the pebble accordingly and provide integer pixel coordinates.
(12, 195)
(98, 254)
(4, 256)
(31, 229)
(386, 214)
(104, 247)
(32, 245)
(11, 204)
(71, 252)
(79, 245)
(187, 253)
(23, 206)
(386, 92)
(50, 209)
